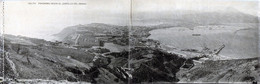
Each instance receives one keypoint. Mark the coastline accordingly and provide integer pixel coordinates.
(178, 41)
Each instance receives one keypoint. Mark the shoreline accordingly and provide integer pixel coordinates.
(227, 53)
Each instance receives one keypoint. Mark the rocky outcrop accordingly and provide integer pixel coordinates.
(145, 65)
(159, 66)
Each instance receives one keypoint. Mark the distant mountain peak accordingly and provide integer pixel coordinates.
(97, 24)
(231, 10)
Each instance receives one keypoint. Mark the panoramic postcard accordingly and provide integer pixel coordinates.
(129, 41)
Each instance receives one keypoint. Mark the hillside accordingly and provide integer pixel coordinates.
(91, 34)
(45, 61)
(190, 18)
(238, 70)
(80, 57)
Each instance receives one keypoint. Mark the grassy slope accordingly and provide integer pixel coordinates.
(48, 62)
(240, 70)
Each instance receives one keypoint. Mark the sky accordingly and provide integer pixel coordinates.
(41, 21)
(1, 21)
(246, 6)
